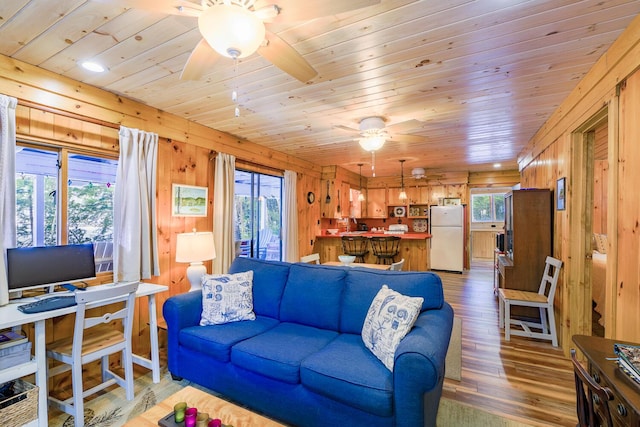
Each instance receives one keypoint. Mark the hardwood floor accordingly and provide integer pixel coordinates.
(526, 380)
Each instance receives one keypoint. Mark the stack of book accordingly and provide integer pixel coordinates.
(14, 349)
(629, 359)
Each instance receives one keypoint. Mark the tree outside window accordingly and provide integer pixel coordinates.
(487, 207)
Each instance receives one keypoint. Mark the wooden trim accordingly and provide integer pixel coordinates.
(64, 113)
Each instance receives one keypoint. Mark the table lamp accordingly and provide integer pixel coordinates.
(195, 248)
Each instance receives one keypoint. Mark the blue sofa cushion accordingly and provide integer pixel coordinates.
(216, 340)
(269, 279)
(278, 352)
(347, 372)
(313, 296)
(362, 285)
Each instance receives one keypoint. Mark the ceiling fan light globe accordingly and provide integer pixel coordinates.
(371, 143)
(231, 30)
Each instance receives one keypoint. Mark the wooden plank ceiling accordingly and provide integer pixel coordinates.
(472, 81)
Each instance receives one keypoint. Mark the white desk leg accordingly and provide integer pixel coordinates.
(41, 373)
(153, 335)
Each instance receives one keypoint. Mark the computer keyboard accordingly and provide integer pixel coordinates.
(48, 304)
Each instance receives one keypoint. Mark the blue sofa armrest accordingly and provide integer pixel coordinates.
(180, 311)
(418, 371)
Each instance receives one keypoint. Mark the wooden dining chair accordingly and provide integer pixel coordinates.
(543, 300)
(315, 258)
(592, 400)
(95, 338)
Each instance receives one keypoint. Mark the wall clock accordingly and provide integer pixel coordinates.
(311, 197)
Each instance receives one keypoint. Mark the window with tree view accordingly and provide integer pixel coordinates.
(487, 207)
(48, 214)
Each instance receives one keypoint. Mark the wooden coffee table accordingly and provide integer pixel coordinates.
(214, 406)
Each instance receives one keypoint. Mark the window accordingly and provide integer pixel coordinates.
(258, 215)
(487, 207)
(81, 212)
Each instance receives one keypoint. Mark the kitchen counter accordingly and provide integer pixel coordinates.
(414, 248)
(409, 235)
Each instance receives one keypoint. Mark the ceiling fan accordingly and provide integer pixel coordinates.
(238, 28)
(373, 132)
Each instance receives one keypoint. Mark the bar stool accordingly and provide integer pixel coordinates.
(385, 248)
(356, 246)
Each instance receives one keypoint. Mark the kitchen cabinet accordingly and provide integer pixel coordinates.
(376, 203)
(418, 195)
(394, 197)
(418, 211)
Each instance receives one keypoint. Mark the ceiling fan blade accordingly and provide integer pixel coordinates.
(347, 129)
(409, 139)
(406, 126)
(168, 7)
(296, 10)
(201, 59)
(283, 56)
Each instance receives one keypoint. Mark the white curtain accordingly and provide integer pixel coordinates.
(223, 207)
(135, 239)
(290, 218)
(7, 186)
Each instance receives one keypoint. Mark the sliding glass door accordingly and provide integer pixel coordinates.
(258, 215)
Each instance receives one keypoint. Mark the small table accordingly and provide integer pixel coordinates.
(227, 412)
(358, 264)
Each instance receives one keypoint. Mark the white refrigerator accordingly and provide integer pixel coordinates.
(446, 225)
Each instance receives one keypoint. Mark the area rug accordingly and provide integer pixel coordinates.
(453, 360)
(113, 410)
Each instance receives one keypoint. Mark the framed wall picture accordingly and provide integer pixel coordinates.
(560, 194)
(187, 200)
(451, 201)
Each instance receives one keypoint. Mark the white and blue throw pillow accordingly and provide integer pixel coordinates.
(390, 317)
(227, 298)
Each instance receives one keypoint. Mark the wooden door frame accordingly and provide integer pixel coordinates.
(580, 188)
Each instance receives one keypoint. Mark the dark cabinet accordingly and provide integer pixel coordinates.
(528, 240)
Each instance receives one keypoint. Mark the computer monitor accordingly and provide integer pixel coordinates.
(46, 266)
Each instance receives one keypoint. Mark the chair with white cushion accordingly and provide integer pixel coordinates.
(543, 300)
(95, 338)
(311, 258)
(397, 266)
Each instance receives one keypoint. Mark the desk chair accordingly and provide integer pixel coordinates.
(93, 339)
(397, 266)
(543, 299)
(356, 246)
(592, 406)
(385, 248)
(315, 258)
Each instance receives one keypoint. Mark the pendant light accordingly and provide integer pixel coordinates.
(403, 194)
(361, 195)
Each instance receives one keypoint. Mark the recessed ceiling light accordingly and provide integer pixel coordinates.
(497, 165)
(93, 66)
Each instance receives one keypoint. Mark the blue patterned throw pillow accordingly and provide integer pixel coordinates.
(227, 298)
(390, 317)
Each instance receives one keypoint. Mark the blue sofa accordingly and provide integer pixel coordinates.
(303, 361)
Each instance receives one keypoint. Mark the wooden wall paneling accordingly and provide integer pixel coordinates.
(628, 295)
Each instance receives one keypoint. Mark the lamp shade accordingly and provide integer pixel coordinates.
(231, 30)
(195, 247)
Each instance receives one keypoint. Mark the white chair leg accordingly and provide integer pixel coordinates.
(78, 403)
(543, 320)
(507, 321)
(104, 367)
(552, 327)
(500, 312)
(127, 359)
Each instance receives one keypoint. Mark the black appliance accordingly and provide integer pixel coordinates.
(362, 226)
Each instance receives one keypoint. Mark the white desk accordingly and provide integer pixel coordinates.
(10, 317)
